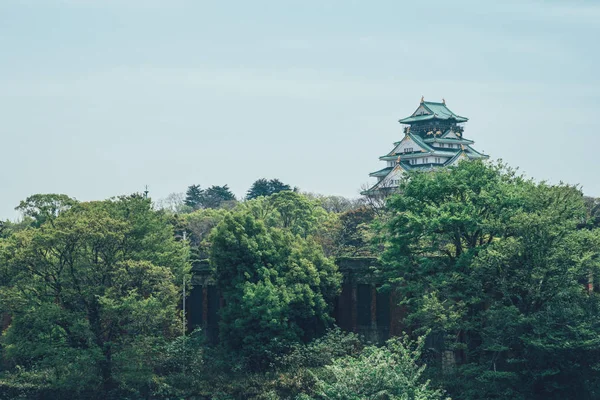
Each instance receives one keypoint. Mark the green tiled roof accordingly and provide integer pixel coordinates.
(476, 153)
(415, 138)
(418, 140)
(394, 157)
(450, 140)
(436, 111)
(381, 172)
(451, 160)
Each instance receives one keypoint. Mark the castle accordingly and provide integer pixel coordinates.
(433, 138)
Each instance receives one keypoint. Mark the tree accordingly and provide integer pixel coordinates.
(194, 197)
(217, 196)
(496, 267)
(336, 204)
(45, 207)
(213, 197)
(266, 187)
(93, 293)
(8, 227)
(198, 226)
(354, 232)
(174, 203)
(592, 205)
(277, 287)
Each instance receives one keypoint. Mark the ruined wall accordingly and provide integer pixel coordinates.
(360, 308)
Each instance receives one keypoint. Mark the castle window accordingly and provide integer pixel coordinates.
(408, 149)
(438, 160)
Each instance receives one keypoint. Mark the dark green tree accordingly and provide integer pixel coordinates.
(217, 197)
(496, 267)
(266, 187)
(213, 197)
(194, 196)
(277, 287)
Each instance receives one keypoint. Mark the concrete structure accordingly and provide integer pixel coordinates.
(360, 308)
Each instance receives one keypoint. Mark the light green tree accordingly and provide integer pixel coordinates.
(390, 372)
(93, 294)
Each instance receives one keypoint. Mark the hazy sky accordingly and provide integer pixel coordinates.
(101, 97)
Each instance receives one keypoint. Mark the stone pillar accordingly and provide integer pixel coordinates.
(204, 307)
(354, 305)
(396, 314)
(373, 307)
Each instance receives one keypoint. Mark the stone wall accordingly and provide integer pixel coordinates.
(360, 308)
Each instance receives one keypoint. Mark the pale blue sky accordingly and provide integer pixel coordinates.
(101, 97)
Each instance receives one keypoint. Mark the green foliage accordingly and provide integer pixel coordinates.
(495, 266)
(290, 211)
(45, 207)
(336, 204)
(217, 196)
(213, 373)
(213, 197)
(321, 351)
(198, 226)
(183, 372)
(592, 205)
(93, 293)
(193, 197)
(354, 232)
(266, 187)
(277, 287)
(390, 372)
(7, 228)
(174, 203)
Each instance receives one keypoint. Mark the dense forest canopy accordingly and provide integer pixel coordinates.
(497, 275)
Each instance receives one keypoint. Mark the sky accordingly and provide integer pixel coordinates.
(100, 98)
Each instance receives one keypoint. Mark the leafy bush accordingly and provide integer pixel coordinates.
(390, 373)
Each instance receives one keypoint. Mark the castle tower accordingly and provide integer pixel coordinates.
(433, 138)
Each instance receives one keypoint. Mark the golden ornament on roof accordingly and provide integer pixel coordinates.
(422, 99)
(443, 101)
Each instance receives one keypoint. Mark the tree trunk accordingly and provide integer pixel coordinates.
(105, 365)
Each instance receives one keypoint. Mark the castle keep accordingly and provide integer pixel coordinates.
(433, 138)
